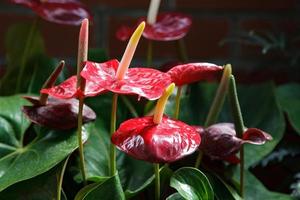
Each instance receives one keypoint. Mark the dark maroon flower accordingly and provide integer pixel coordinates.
(219, 141)
(70, 12)
(124, 32)
(145, 82)
(168, 27)
(193, 72)
(165, 142)
(68, 89)
(57, 114)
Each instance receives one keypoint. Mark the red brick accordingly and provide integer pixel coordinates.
(237, 4)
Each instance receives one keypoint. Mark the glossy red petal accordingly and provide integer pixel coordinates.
(70, 12)
(144, 82)
(256, 136)
(193, 72)
(233, 159)
(168, 27)
(157, 143)
(58, 114)
(68, 89)
(124, 32)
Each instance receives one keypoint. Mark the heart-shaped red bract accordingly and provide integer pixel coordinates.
(157, 143)
(70, 12)
(194, 72)
(219, 141)
(68, 89)
(124, 32)
(57, 114)
(144, 82)
(169, 26)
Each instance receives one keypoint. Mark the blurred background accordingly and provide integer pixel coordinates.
(259, 38)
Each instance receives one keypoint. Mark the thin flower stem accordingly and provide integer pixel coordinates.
(182, 50)
(25, 54)
(129, 106)
(79, 136)
(149, 53)
(239, 126)
(61, 178)
(113, 120)
(217, 105)
(177, 102)
(157, 181)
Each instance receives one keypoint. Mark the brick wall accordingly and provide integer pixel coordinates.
(213, 20)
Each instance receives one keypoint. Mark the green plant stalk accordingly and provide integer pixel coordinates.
(239, 126)
(113, 119)
(79, 136)
(61, 178)
(25, 54)
(217, 105)
(177, 102)
(149, 53)
(157, 181)
(182, 50)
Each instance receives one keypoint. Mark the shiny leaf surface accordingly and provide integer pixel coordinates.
(70, 12)
(158, 143)
(144, 82)
(192, 184)
(194, 72)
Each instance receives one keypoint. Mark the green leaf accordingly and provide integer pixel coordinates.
(289, 100)
(109, 189)
(41, 187)
(25, 161)
(192, 184)
(267, 115)
(97, 55)
(175, 196)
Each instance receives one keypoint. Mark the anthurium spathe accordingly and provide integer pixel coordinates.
(70, 12)
(192, 72)
(117, 78)
(158, 138)
(219, 141)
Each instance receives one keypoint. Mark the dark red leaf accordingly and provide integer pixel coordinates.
(193, 72)
(58, 114)
(256, 136)
(144, 82)
(68, 89)
(124, 32)
(157, 143)
(70, 12)
(168, 27)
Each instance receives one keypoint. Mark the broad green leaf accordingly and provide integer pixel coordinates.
(260, 111)
(221, 189)
(41, 187)
(175, 196)
(25, 161)
(109, 189)
(289, 99)
(192, 184)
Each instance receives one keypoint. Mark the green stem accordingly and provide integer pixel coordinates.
(157, 181)
(149, 53)
(239, 126)
(61, 178)
(177, 102)
(113, 120)
(25, 54)
(217, 105)
(79, 136)
(129, 106)
(182, 50)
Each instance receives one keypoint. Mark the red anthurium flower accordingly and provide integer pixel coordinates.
(219, 141)
(193, 72)
(165, 142)
(124, 32)
(169, 26)
(70, 12)
(68, 89)
(57, 114)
